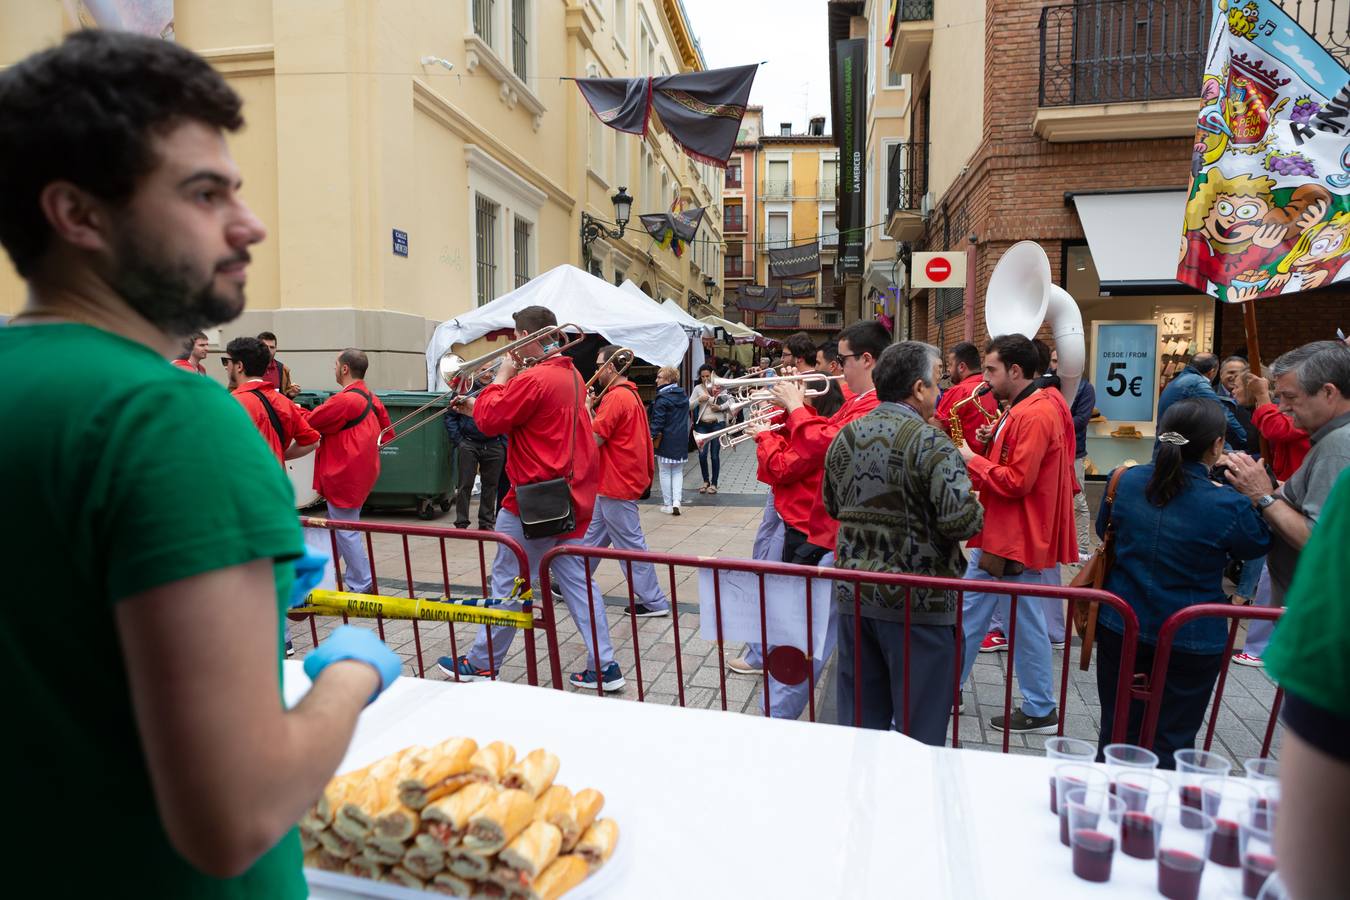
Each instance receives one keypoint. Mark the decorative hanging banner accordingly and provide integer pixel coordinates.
(1269, 206)
(850, 58)
(797, 260)
(799, 287)
(756, 298)
(673, 230)
(702, 111)
(785, 316)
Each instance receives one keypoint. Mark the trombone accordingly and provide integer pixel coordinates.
(462, 376)
(750, 383)
(735, 434)
(621, 360)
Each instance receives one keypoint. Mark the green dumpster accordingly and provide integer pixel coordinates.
(310, 400)
(417, 469)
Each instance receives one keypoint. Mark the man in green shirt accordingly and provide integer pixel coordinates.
(140, 647)
(1307, 658)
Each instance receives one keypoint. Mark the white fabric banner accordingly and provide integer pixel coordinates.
(784, 604)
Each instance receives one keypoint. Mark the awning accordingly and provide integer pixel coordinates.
(1134, 237)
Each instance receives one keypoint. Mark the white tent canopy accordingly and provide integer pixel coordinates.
(735, 330)
(578, 298)
(689, 322)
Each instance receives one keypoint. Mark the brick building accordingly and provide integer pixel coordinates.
(1072, 125)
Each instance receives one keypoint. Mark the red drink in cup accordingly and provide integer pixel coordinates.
(1224, 848)
(1136, 835)
(1094, 821)
(1227, 801)
(1067, 750)
(1256, 868)
(1179, 874)
(1092, 854)
(1257, 850)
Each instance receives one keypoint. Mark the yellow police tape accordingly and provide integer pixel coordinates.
(369, 606)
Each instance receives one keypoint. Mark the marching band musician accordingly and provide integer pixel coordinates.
(1025, 482)
(542, 412)
(348, 465)
(963, 364)
(801, 454)
(627, 464)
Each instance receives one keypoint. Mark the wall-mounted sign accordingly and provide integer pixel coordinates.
(400, 243)
(1125, 372)
(938, 270)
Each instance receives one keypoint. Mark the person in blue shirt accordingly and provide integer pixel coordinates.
(1197, 380)
(1175, 530)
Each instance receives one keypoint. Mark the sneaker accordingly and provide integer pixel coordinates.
(290, 650)
(1021, 723)
(674, 510)
(643, 611)
(668, 510)
(613, 679)
(1246, 659)
(993, 642)
(467, 672)
(741, 666)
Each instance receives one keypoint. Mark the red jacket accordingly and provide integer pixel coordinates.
(542, 411)
(809, 435)
(294, 425)
(795, 484)
(1026, 487)
(968, 415)
(190, 366)
(627, 461)
(348, 464)
(1288, 443)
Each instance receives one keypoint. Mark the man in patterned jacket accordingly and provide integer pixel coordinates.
(912, 519)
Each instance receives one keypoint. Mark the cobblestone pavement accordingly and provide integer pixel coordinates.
(723, 525)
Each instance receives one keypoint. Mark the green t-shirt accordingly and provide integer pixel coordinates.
(121, 473)
(1307, 655)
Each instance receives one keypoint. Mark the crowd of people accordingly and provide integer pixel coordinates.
(177, 617)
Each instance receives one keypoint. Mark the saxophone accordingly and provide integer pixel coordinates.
(954, 420)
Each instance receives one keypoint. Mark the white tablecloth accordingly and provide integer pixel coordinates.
(726, 805)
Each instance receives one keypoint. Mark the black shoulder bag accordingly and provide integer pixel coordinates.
(272, 415)
(546, 506)
(365, 412)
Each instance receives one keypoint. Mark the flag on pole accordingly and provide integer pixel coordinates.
(1269, 205)
(702, 111)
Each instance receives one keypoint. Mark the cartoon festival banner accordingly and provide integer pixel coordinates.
(1269, 206)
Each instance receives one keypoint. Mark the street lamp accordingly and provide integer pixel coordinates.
(592, 229)
(709, 283)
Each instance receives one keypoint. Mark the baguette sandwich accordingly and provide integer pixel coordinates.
(586, 805)
(527, 856)
(373, 794)
(425, 857)
(491, 763)
(400, 875)
(468, 865)
(598, 844)
(565, 873)
(533, 774)
(447, 819)
(453, 885)
(445, 771)
(497, 823)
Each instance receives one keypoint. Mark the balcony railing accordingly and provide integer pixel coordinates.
(734, 268)
(1122, 51)
(777, 189)
(733, 184)
(916, 10)
(1328, 21)
(827, 188)
(733, 223)
(907, 176)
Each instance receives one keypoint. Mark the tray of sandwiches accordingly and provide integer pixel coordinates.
(459, 819)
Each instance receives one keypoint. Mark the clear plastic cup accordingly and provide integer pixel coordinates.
(1256, 846)
(1076, 775)
(1069, 750)
(1094, 823)
(1262, 769)
(1124, 757)
(1182, 839)
(1193, 767)
(1140, 791)
(1227, 800)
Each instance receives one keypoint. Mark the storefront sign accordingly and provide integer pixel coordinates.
(1125, 373)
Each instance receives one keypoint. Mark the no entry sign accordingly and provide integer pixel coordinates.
(939, 270)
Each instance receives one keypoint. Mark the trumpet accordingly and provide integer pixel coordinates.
(954, 420)
(735, 434)
(461, 375)
(766, 382)
(621, 360)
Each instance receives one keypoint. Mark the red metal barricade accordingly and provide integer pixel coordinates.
(441, 535)
(1150, 689)
(628, 558)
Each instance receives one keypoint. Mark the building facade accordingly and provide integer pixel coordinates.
(414, 160)
(1049, 122)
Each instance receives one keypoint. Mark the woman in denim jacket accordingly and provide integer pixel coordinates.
(669, 421)
(1175, 530)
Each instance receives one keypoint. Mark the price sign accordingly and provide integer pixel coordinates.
(1126, 371)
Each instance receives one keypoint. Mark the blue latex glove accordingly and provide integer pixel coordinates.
(308, 573)
(360, 644)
